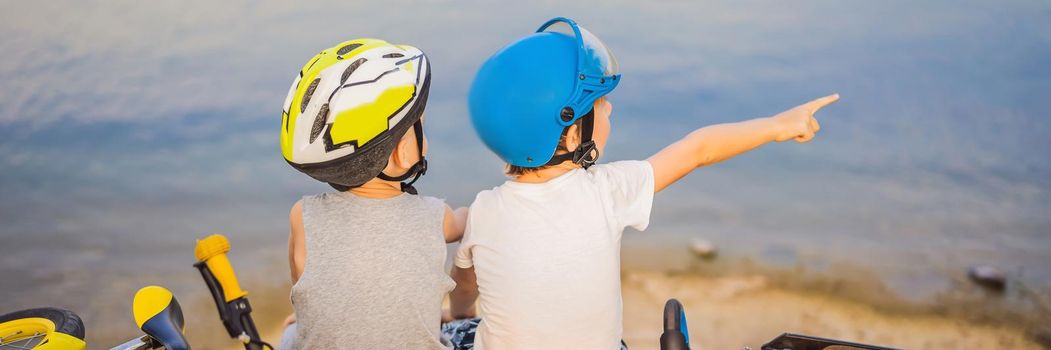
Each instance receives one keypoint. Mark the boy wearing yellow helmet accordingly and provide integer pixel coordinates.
(545, 246)
(367, 262)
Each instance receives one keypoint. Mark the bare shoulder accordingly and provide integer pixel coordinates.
(295, 220)
(296, 214)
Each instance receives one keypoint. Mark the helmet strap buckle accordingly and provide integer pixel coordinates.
(416, 170)
(586, 154)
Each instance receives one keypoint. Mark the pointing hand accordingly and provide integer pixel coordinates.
(798, 123)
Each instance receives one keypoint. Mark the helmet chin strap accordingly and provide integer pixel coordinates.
(587, 152)
(416, 170)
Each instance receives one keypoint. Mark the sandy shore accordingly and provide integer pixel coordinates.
(733, 312)
(737, 311)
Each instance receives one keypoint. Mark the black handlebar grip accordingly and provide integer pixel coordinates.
(674, 336)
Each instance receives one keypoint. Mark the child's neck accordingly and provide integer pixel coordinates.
(546, 174)
(378, 189)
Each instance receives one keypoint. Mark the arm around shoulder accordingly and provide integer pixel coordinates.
(454, 223)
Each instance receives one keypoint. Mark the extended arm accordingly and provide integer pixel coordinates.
(715, 143)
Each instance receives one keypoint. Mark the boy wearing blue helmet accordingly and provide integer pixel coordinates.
(545, 246)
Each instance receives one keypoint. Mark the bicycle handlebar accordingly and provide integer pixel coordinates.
(230, 299)
(212, 252)
(676, 335)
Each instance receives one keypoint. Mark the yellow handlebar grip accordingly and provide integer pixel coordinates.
(212, 251)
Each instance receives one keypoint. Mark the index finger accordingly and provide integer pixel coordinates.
(822, 102)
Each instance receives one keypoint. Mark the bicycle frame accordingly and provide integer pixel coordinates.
(141, 343)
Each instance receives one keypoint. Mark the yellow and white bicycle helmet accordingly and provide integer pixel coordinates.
(349, 107)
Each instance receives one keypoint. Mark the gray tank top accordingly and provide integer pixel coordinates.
(374, 276)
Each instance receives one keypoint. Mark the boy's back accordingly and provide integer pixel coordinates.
(367, 263)
(374, 276)
(547, 256)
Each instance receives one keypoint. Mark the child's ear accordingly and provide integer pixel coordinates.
(400, 157)
(572, 137)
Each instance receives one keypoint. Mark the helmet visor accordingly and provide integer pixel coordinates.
(593, 47)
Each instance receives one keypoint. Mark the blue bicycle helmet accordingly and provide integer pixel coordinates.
(526, 94)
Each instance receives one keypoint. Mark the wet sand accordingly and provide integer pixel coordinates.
(731, 312)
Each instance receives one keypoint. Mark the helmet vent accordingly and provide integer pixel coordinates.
(350, 69)
(308, 94)
(319, 123)
(393, 55)
(347, 49)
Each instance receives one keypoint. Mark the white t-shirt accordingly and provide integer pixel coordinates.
(547, 257)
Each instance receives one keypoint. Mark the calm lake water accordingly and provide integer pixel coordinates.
(129, 129)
